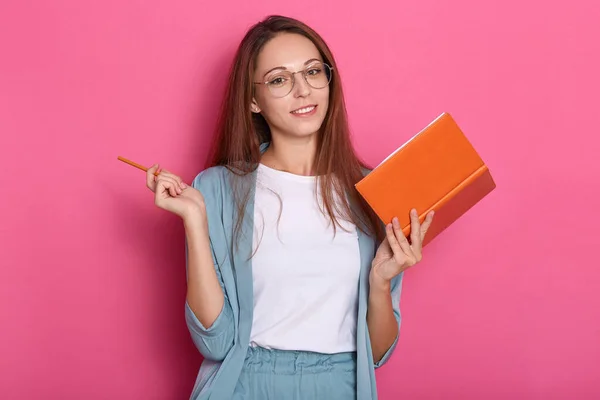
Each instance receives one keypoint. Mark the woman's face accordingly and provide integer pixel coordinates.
(300, 112)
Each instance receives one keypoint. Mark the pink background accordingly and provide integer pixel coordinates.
(506, 303)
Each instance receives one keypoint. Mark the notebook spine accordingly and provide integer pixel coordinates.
(450, 195)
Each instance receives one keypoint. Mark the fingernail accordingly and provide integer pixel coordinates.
(395, 222)
(414, 212)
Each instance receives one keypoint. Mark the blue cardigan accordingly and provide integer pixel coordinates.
(224, 344)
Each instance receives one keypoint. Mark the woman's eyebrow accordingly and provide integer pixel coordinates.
(284, 68)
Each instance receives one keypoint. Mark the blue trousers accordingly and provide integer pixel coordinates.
(296, 375)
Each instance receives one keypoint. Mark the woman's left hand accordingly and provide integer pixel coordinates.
(396, 253)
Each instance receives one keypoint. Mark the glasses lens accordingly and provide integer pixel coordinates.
(318, 75)
(280, 84)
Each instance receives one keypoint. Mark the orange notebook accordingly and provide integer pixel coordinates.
(437, 169)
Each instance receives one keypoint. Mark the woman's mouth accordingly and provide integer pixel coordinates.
(305, 111)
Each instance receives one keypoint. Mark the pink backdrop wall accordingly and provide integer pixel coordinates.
(92, 279)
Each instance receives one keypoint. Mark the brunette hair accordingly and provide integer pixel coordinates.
(240, 132)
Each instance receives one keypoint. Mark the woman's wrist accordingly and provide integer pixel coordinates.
(195, 219)
(377, 283)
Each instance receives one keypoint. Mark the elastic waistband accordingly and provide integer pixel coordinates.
(259, 359)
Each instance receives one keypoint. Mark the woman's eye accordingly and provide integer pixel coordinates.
(313, 71)
(277, 81)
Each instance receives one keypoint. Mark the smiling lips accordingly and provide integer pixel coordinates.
(305, 111)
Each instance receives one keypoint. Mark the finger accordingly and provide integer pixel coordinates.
(411, 258)
(399, 255)
(402, 240)
(426, 224)
(174, 190)
(415, 227)
(176, 185)
(175, 177)
(407, 257)
(415, 235)
(170, 184)
(164, 190)
(150, 182)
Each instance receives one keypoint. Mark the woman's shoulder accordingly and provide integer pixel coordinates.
(212, 183)
(209, 179)
(219, 182)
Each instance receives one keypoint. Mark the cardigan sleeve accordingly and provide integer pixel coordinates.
(395, 290)
(215, 341)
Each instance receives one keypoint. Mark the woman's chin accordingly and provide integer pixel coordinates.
(305, 130)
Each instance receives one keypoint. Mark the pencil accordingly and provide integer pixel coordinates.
(134, 164)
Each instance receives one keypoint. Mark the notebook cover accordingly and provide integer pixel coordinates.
(437, 169)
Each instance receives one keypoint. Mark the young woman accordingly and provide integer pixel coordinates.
(293, 283)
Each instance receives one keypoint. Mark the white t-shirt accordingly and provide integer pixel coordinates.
(305, 279)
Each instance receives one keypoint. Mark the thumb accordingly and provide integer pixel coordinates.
(150, 178)
(153, 168)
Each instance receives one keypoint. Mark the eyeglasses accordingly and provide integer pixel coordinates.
(281, 83)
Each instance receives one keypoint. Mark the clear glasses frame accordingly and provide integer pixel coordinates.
(276, 87)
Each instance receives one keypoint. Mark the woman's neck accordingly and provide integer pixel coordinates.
(293, 156)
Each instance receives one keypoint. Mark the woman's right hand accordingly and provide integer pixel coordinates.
(172, 194)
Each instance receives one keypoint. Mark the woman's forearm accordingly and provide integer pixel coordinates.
(383, 327)
(204, 294)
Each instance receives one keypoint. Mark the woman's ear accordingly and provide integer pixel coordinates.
(254, 106)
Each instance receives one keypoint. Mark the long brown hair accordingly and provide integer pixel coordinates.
(240, 132)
